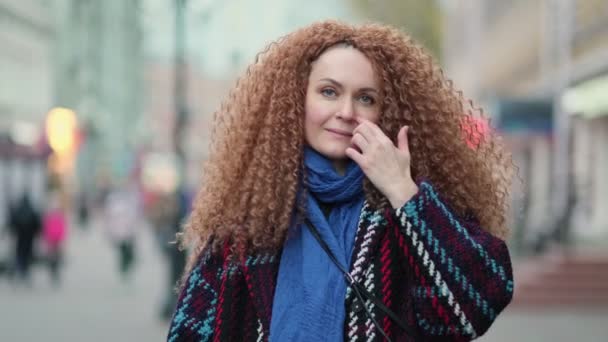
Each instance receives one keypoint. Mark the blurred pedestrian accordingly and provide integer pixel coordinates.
(83, 211)
(54, 232)
(122, 212)
(6, 253)
(342, 200)
(25, 225)
(166, 217)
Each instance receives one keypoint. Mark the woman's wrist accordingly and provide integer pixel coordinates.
(402, 194)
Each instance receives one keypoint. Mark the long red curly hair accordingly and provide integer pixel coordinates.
(252, 175)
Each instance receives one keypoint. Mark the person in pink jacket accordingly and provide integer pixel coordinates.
(54, 233)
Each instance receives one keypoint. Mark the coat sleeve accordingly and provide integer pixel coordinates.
(461, 274)
(195, 314)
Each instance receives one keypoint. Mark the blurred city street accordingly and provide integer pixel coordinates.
(91, 304)
(106, 116)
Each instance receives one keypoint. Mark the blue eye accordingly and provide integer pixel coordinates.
(328, 92)
(367, 99)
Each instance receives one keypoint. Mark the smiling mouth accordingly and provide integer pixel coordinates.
(341, 133)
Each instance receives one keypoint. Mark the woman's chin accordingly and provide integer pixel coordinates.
(335, 153)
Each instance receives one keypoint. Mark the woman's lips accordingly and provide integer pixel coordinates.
(341, 133)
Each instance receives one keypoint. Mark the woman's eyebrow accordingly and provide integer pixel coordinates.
(339, 85)
(332, 81)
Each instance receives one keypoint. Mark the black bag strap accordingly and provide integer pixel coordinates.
(359, 290)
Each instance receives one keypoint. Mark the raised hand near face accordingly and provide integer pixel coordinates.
(387, 166)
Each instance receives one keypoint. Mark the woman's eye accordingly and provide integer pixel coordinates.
(328, 92)
(367, 99)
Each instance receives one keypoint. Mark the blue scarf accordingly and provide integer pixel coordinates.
(310, 290)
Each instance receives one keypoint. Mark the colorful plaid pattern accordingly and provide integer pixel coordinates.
(442, 274)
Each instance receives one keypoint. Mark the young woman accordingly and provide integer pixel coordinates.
(347, 197)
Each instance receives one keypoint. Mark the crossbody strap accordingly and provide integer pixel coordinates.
(359, 290)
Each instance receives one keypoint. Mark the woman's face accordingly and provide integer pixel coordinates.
(342, 86)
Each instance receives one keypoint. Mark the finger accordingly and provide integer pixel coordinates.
(375, 129)
(366, 131)
(402, 141)
(355, 155)
(359, 141)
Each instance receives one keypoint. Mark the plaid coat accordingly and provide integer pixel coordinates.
(442, 274)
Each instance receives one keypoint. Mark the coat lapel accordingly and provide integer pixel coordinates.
(371, 224)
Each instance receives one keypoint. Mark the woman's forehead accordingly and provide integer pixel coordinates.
(345, 64)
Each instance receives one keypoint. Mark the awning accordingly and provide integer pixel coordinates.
(588, 99)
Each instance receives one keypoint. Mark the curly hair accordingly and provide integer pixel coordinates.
(251, 178)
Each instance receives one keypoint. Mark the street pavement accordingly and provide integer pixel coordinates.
(92, 303)
(545, 325)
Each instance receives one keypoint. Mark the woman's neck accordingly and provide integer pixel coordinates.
(340, 166)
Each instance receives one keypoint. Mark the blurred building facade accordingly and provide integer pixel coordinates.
(540, 53)
(98, 74)
(204, 97)
(223, 37)
(27, 35)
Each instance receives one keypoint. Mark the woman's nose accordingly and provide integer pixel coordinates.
(346, 111)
